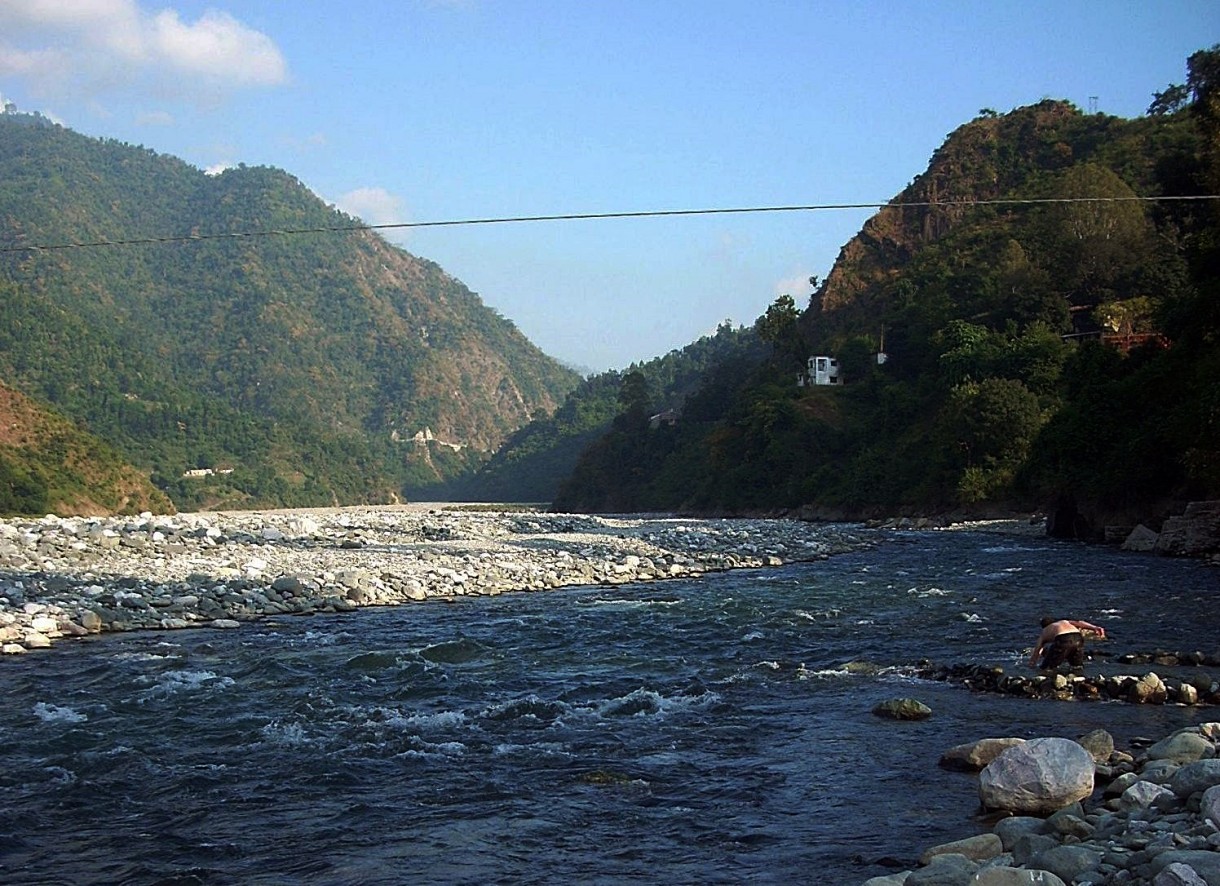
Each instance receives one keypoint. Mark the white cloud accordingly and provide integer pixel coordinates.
(308, 143)
(108, 45)
(797, 286)
(155, 118)
(218, 47)
(375, 206)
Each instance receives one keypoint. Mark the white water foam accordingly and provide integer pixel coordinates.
(416, 721)
(629, 603)
(52, 713)
(286, 733)
(172, 682)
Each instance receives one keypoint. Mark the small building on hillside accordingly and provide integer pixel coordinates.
(668, 418)
(820, 371)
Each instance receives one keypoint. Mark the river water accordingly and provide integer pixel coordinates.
(704, 731)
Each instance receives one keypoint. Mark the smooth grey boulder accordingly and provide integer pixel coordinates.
(1184, 746)
(1195, 777)
(944, 870)
(1009, 830)
(1099, 744)
(1066, 862)
(1026, 846)
(1178, 874)
(1209, 808)
(1143, 794)
(1038, 777)
(1203, 862)
(980, 847)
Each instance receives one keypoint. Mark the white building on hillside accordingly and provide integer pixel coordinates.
(820, 371)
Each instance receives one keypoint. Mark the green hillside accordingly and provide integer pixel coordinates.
(1050, 340)
(48, 466)
(312, 369)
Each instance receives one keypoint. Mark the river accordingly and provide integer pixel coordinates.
(691, 731)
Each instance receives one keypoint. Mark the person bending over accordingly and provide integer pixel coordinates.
(1062, 640)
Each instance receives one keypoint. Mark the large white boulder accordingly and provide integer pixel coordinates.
(1037, 777)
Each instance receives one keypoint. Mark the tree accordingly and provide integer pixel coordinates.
(1099, 237)
(1171, 99)
(780, 329)
(992, 424)
(635, 401)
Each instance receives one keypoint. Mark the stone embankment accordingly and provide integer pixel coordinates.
(1199, 687)
(62, 577)
(1146, 816)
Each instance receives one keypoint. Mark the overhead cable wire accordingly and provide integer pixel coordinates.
(585, 216)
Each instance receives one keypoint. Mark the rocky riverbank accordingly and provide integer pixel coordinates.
(1148, 815)
(67, 577)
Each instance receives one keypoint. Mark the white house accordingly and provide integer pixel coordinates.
(820, 371)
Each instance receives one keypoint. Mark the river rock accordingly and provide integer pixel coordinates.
(1148, 689)
(903, 709)
(974, 755)
(1099, 744)
(1194, 533)
(1209, 806)
(1195, 778)
(944, 870)
(1039, 776)
(1143, 794)
(1202, 863)
(1142, 539)
(1067, 862)
(1184, 746)
(980, 847)
(1011, 829)
(1002, 876)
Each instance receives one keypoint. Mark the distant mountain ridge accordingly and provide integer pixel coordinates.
(323, 368)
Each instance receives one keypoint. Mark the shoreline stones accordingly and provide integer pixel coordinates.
(70, 577)
(1199, 688)
(1152, 817)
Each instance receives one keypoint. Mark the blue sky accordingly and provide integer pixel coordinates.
(422, 110)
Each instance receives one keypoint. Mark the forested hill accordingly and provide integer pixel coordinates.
(1027, 325)
(309, 369)
(536, 460)
(49, 466)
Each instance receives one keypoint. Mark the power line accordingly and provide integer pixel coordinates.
(585, 216)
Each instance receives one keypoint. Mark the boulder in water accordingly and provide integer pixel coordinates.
(903, 709)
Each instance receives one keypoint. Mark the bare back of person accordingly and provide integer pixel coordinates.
(1063, 640)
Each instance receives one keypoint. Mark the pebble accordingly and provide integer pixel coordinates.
(66, 577)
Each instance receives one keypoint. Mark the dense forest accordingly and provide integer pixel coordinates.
(1033, 323)
(312, 369)
(49, 466)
